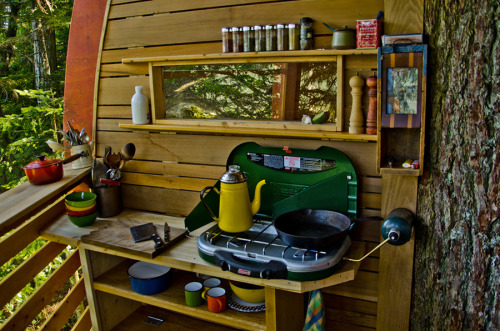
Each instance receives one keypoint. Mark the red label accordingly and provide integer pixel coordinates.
(368, 33)
(244, 272)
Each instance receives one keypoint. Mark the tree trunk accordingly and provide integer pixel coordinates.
(457, 264)
(45, 55)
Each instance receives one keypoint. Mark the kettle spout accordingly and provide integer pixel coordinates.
(256, 199)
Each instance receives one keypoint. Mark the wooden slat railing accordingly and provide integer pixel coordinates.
(25, 228)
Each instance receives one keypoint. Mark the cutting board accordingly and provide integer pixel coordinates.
(115, 234)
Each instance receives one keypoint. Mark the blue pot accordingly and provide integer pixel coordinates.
(148, 278)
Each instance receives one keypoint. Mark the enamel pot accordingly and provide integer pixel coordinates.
(44, 171)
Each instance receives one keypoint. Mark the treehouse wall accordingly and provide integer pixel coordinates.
(170, 169)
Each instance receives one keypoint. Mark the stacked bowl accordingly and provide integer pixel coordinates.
(81, 208)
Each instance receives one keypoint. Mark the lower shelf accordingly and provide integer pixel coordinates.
(116, 282)
(171, 321)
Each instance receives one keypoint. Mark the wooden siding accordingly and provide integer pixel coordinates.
(170, 169)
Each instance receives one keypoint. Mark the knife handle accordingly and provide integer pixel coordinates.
(158, 242)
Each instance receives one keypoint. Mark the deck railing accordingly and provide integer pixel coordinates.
(40, 280)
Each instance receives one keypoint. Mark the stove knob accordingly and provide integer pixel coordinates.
(266, 274)
(223, 265)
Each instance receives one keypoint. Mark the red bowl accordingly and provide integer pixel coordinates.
(81, 213)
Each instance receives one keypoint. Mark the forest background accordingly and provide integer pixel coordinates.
(33, 44)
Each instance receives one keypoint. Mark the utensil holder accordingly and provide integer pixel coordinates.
(85, 160)
(109, 201)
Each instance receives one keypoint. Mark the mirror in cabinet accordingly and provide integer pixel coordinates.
(250, 91)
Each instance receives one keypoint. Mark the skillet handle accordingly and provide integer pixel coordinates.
(269, 270)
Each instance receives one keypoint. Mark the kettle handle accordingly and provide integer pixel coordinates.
(202, 193)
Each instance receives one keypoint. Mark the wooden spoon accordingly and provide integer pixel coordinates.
(113, 160)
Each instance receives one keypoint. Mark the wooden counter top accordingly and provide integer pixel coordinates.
(184, 255)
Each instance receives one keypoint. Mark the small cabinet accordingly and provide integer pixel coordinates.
(401, 108)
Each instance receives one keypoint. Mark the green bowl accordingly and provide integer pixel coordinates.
(83, 221)
(80, 199)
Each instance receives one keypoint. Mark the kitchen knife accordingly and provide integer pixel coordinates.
(166, 232)
(145, 232)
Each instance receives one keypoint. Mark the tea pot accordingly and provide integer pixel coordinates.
(235, 209)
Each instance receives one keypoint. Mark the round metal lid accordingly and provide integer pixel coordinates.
(233, 175)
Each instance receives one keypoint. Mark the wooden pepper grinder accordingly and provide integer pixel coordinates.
(371, 117)
(356, 121)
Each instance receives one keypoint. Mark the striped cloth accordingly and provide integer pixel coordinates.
(315, 318)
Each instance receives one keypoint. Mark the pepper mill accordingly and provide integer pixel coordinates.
(356, 120)
(371, 117)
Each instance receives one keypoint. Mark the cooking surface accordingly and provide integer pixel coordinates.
(262, 244)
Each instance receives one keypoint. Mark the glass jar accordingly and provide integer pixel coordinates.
(227, 40)
(281, 37)
(293, 37)
(270, 38)
(237, 39)
(306, 33)
(248, 39)
(260, 39)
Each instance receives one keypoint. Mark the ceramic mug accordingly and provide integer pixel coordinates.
(216, 299)
(192, 292)
(210, 283)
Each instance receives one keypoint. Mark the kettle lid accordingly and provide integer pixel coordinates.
(233, 175)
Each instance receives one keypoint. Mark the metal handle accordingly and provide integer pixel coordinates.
(202, 193)
(268, 270)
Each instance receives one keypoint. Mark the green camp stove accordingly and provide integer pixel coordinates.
(323, 178)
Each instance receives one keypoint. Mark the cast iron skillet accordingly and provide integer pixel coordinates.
(315, 229)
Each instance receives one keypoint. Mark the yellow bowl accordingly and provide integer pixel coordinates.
(68, 207)
(248, 292)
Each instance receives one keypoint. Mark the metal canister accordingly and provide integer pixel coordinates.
(306, 33)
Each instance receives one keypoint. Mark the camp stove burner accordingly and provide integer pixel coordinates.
(261, 244)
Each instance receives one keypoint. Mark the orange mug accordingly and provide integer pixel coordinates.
(216, 299)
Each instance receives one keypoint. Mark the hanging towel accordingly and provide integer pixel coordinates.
(315, 317)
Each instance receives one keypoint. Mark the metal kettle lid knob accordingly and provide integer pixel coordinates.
(233, 175)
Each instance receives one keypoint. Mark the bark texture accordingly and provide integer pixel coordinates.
(457, 265)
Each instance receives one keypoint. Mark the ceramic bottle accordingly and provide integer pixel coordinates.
(140, 107)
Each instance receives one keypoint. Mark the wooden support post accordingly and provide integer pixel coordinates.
(396, 262)
(284, 310)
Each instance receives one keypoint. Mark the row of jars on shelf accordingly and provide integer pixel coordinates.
(280, 37)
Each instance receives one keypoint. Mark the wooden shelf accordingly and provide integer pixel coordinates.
(400, 171)
(117, 282)
(172, 321)
(259, 129)
(316, 55)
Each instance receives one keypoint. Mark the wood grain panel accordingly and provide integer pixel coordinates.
(119, 91)
(119, 69)
(358, 62)
(172, 202)
(184, 27)
(364, 287)
(175, 169)
(214, 150)
(370, 184)
(351, 317)
(162, 6)
(179, 183)
(121, 112)
(402, 16)
(334, 325)
(340, 302)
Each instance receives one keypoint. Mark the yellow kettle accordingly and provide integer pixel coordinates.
(235, 209)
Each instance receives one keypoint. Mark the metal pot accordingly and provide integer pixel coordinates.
(44, 171)
(148, 278)
(344, 38)
(315, 229)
